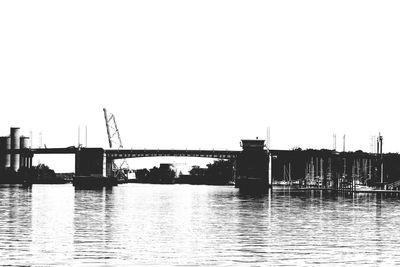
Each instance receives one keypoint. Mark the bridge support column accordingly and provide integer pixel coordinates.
(109, 165)
(89, 161)
(252, 172)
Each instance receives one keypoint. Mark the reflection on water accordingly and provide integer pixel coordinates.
(183, 224)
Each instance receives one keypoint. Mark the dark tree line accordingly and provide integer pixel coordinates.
(217, 173)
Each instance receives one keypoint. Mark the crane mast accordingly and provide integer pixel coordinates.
(115, 142)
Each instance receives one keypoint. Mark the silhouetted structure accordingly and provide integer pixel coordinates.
(219, 172)
(252, 166)
(165, 174)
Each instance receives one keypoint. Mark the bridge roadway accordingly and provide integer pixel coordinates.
(139, 153)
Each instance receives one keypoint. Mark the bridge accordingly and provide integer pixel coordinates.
(140, 153)
(318, 167)
(321, 167)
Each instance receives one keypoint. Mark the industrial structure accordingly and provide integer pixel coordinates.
(15, 154)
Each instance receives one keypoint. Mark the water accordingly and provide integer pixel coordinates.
(194, 225)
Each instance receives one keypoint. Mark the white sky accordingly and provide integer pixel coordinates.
(202, 74)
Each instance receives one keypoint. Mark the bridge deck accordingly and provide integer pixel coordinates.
(138, 153)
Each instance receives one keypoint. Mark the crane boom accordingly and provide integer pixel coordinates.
(114, 141)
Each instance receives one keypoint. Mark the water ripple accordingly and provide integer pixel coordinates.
(194, 225)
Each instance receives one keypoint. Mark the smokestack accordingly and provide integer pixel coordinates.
(23, 143)
(14, 135)
(5, 144)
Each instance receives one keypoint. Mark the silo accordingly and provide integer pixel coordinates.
(23, 143)
(14, 136)
(4, 157)
(8, 156)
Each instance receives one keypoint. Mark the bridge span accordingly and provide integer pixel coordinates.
(325, 168)
(140, 153)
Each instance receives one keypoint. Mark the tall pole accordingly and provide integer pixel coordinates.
(381, 155)
(270, 170)
(322, 171)
(344, 143)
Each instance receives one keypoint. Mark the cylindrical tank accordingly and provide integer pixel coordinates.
(15, 142)
(23, 143)
(4, 157)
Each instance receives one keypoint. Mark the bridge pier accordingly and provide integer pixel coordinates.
(89, 169)
(252, 165)
(109, 167)
(89, 161)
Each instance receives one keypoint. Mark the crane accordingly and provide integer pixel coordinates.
(115, 142)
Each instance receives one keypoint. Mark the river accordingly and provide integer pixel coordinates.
(135, 224)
